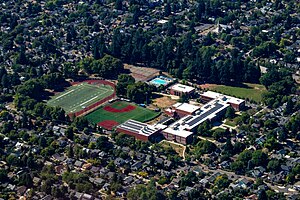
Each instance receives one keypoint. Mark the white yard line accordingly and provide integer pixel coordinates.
(89, 100)
(74, 107)
(63, 95)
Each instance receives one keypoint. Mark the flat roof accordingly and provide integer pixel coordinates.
(186, 107)
(180, 133)
(208, 111)
(139, 127)
(225, 98)
(182, 88)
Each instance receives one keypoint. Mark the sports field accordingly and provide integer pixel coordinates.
(250, 91)
(118, 112)
(79, 96)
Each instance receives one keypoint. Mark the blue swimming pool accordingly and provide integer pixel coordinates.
(161, 80)
(158, 81)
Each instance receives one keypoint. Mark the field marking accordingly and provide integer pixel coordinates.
(95, 92)
(76, 106)
(64, 94)
(89, 100)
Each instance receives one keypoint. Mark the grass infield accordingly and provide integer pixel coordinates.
(121, 111)
(77, 97)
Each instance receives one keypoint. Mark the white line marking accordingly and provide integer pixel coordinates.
(89, 100)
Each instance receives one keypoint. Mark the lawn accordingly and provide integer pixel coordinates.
(77, 97)
(178, 148)
(121, 111)
(230, 123)
(250, 91)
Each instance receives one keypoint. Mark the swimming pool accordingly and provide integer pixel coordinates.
(161, 80)
(158, 81)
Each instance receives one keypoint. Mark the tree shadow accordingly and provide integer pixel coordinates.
(241, 85)
(156, 96)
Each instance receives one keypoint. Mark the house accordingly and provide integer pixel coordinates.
(99, 181)
(167, 164)
(225, 164)
(136, 166)
(119, 162)
(213, 177)
(159, 161)
(86, 197)
(78, 164)
(60, 169)
(106, 186)
(128, 180)
(204, 182)
(241, 183)
(21, 190)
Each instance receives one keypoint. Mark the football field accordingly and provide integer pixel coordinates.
(77, 97)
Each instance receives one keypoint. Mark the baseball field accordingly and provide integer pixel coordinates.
(118, 112)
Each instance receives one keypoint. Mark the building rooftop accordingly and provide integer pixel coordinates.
(138, 127)
(182, 88)
(186, 107)
(206, 112)
(225, 98)
(181, 133)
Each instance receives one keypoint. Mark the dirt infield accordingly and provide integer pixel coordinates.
(122, 110)
(108, 124)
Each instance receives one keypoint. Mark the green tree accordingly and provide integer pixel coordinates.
(230, 113)
(124, 80)
(273, 165)
(103, 144)
(222, 182)
(259, 158)
(141, 192)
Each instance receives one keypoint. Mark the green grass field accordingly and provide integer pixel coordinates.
(251, 91)
(139, 113)
(77, 97)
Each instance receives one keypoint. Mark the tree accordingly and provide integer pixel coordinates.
(204, 129)
(244, 157)
(25, 179)
(204, 147)
(188, 179)
(80, 123)
(238, 167)
(273, 165)
(140, 92)
(262, 195)
(119, 4)
(5, 81)
(141, 192)
(167, 10)
(3, 176)
(124, 80)
(69, 133)
(259, 158)
(103, 144)
(222, 182)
